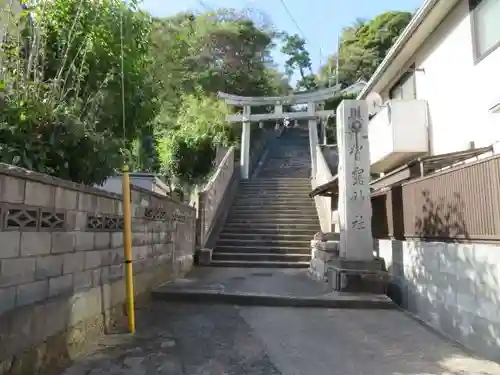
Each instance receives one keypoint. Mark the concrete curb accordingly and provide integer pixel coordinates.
(250, 299)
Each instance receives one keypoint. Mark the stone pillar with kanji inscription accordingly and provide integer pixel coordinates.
(355, 269)
(354, 209)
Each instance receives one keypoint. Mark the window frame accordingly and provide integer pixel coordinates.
(478, 57)
(409, 74)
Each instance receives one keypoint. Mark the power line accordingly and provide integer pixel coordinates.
(299, 28)
(293, 20)
(204, 5)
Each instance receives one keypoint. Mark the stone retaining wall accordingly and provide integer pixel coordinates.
(61, 262)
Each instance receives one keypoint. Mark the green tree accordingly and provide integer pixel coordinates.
(364, 45)
(198, 56)
(62, 99)
(298, 59)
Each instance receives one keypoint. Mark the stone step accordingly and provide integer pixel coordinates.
(258, 180)
(273, 215)
(275, 190)
(270, 221)
(275, 205)
(293, 226)
(274, 202)
(242, 243)
(267, 236)
(273, 211)
(221, 249)
(258, 264)
(295, 196)
(273, 230)
(261, 257)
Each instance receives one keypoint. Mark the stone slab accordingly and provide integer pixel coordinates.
(263, 287)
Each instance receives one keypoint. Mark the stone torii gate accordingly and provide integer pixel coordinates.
(312, 115)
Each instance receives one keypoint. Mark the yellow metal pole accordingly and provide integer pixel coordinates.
(127, 248)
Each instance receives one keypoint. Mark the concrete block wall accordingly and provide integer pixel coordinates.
(453, 287)
(61, 262)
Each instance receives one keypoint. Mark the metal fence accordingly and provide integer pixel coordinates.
(458, 204)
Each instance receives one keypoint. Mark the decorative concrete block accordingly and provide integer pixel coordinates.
(32, 292)
(11, 244)
(49, 266)
(63, 242)
(39, 194)
(61, 284)
(35, 243)
(17, 271)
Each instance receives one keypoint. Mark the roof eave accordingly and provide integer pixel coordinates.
(400, 43)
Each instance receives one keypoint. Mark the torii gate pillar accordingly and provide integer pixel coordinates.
(313, 136)
(245, 144)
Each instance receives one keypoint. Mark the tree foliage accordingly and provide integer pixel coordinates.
(364, 45)
(61, 102)
(298, 59)
(63, 108)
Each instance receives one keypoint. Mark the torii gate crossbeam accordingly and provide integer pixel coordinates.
(312, 115)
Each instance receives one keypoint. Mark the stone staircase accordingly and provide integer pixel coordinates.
(272, 220)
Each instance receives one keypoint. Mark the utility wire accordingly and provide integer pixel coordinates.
(293, 20)
(299, 28)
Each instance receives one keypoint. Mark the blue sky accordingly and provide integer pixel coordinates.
(319, 22)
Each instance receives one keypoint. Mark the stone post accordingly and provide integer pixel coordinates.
(245, 144)
(355, 269)
(355, 210)
(313, 135)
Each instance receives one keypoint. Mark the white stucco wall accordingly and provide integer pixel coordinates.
(459, 91)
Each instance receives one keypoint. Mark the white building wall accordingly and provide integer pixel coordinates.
(459, 91)
(453, 287)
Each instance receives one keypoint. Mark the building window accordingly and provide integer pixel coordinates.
(405, 87)
(485, 26)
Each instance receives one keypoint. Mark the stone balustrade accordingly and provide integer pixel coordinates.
(212, 196)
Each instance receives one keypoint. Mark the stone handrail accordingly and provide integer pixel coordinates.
(211, 197)
(323, 204)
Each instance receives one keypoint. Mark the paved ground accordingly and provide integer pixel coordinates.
(227, 340)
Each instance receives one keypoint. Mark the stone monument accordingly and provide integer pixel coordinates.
(355, 269)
